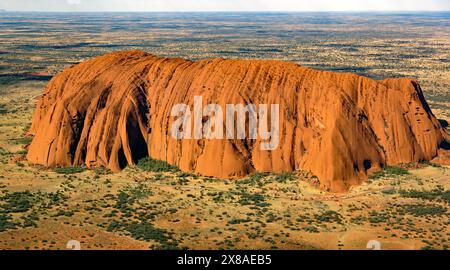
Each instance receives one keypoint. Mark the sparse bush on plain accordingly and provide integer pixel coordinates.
(256, 199)
(311, 229)
(419, 210)
(378, 217)
(389, 191)
(238, 221)
(255, 178)
(152, 165)
(69, 170)
(389, 172)
(17, 202)
(102, 170)
(430, 195)
(5, 223)
(284, 177)
(329, 216)
(3, 109)
(23, 140)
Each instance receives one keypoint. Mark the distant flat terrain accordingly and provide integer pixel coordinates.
(34, 46)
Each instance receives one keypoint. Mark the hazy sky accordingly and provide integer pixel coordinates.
(224, 5)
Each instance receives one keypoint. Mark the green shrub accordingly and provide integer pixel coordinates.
(138, 192)
(69, 170)
(430, 195)
(272, 217)
(285, 177)
(389, 172)
(18, 202)
(446, 196)
(359, 220)
(68, 213)
(123, 199)
(238, 221)
(311, 228)
(5, 223)
(102, 171)
(256, 199)
(152, 165)
(114, 226)
(23, 140)
(419, 210)
(378, 217)
(389, 191)
(22, 152)
(30, 220)
(329, 216)
(427, 247)
(186, 175)
(128, 196)
(3, 109)
(255, 178)
(145, 231)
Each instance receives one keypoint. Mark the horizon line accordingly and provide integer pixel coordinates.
(222, 11)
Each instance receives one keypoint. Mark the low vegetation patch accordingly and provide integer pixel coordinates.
(419, 210)
(329, 216)
(18, 202)
(3, 109)
(378, 217)
(132, 194)
(311, 229)
(256, 199)
(102, 171)
(23, 140)
(25, 206)
(69, 170)
(389, 172)
(284, 177)
(389, 191)
(435, 194)
(146, 231)
(254, 179)
(152, 165)
(5, 223)
(238, 221)
(138, 223)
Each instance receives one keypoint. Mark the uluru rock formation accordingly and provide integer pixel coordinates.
(115, 109)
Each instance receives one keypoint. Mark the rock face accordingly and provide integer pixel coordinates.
(115, 109)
